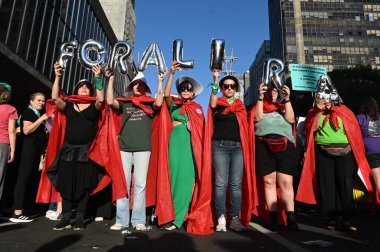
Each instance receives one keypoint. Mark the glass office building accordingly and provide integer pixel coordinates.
(31, 32)
(336, 33)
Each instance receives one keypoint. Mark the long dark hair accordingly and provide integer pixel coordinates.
(370, 107)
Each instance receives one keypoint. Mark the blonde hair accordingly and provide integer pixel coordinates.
(34, 95)
(5, 95)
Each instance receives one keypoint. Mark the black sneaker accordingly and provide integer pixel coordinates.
(63, 224)
(20, 218)
(79, 224)
(292, 225)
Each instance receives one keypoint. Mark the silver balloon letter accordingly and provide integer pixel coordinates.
(157, 60)
(178, 55)
(67, 52)
(272, 73)
(119, 56)
(99, 52)
(217, 54)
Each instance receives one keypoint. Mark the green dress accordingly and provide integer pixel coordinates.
(182, 166)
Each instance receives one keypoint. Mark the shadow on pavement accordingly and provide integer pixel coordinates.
(60, 243)
(171, 241)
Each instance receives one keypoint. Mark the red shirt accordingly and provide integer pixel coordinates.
(7, 112)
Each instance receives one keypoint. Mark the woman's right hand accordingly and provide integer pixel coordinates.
(262, 89)
(44, 117)
(174, 67)
(58, 70)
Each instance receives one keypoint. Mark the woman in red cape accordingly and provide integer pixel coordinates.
(311, 187)
(275, 166)
(190, 183)
(135, 136)
(226, 148)
(76, 149)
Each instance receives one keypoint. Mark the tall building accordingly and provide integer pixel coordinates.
(31, 33)
(335, 34)
(256, 72)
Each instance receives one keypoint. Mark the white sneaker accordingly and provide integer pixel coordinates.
(236, 224)
(117, 227)
(20, 218)
(142, 227)
(99, 219)
(221, 227)
(54, 216)
(49, 213)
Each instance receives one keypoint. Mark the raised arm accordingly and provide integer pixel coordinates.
(320, 106)
(215, 89)
(175, 66)
(160, 93)
(259, 112)
(289, 112)
(97, 70)
(61, 104)
(111, 101)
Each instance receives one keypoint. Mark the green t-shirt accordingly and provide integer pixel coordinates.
(274, 123)
(136, 128)
(328, 135)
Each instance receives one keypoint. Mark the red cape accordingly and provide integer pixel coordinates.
(158, 180)
(260, 208)
(308, 188)
(98, 152)
(249, 180)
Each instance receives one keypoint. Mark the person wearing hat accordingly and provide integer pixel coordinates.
(185, 156)
(335, 151)
(275, 153)
(69, 167)
(134, 144)
(227, 138)
(32, 124)
(8, 117)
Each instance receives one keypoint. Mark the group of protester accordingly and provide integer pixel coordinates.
(197, 173)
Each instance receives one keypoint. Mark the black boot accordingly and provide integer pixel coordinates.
(79, 222)
(64, 223)
(273, 224)
(291, 221)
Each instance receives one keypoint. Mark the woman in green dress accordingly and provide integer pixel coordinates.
(184, 162)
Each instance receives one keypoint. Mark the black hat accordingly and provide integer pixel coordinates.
(231, 77)
(83, 82)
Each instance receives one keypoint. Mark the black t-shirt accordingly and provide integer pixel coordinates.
(136, 128)
(226, 127)
(38, 136)
(81, 127)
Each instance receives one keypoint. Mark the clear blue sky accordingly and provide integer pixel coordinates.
(243, 24)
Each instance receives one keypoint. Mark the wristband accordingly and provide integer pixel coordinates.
(286, 101)
(98, 83)
(214, 88)
(260, 99)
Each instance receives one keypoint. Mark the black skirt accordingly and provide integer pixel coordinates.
(77, 176)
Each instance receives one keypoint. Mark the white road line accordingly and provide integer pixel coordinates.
(278, 238)
(8, 224)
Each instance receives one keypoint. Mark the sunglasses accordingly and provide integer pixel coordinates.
(183, 89)
(227, 86)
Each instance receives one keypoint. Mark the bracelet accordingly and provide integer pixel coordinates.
(98, 83)
(286, 101)
(260, 99)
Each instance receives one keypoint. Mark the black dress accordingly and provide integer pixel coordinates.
(76, 173)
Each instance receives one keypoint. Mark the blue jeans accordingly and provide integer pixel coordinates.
(140, 161)
(228, 167)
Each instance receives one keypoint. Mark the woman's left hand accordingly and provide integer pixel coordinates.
(286, 92)
(97, 70)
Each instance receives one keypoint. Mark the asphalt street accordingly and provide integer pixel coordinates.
(39, 236)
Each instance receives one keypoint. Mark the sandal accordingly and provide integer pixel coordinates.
(331, 224)
(168, 227)
(346, 225)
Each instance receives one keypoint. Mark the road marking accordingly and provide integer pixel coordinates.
(331, 233)
(278, 238)
(8, 224)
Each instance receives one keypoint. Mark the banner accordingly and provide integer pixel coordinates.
(305, 77)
